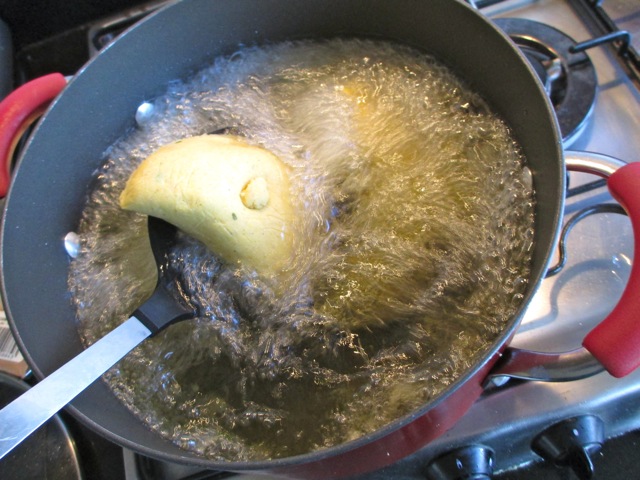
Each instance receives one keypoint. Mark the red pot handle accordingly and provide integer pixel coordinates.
(18, 111)
(615, 342)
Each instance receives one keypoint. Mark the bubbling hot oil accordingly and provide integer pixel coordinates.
(413, 249)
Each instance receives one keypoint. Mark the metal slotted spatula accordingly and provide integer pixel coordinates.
(29, 411)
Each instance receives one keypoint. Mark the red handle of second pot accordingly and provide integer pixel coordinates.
(615, 342)
(19, 110)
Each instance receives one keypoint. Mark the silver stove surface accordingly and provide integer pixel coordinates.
(568, 305)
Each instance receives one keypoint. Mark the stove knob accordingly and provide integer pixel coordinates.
(474, 462)
(571, 442)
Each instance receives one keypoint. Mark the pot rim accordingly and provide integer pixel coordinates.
(485, 359)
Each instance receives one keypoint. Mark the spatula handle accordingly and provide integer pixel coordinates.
(25, 414)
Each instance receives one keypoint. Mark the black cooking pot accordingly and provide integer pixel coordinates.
(50, 185)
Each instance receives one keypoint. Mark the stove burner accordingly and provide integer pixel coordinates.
(568, 77)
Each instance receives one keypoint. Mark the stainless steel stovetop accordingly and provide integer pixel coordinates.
(568, 305)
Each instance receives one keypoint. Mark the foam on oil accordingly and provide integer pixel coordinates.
(413, 249)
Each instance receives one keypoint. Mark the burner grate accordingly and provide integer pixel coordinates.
(568, 75)
(619, 21)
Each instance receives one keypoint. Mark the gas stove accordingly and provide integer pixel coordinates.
(588, 428)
